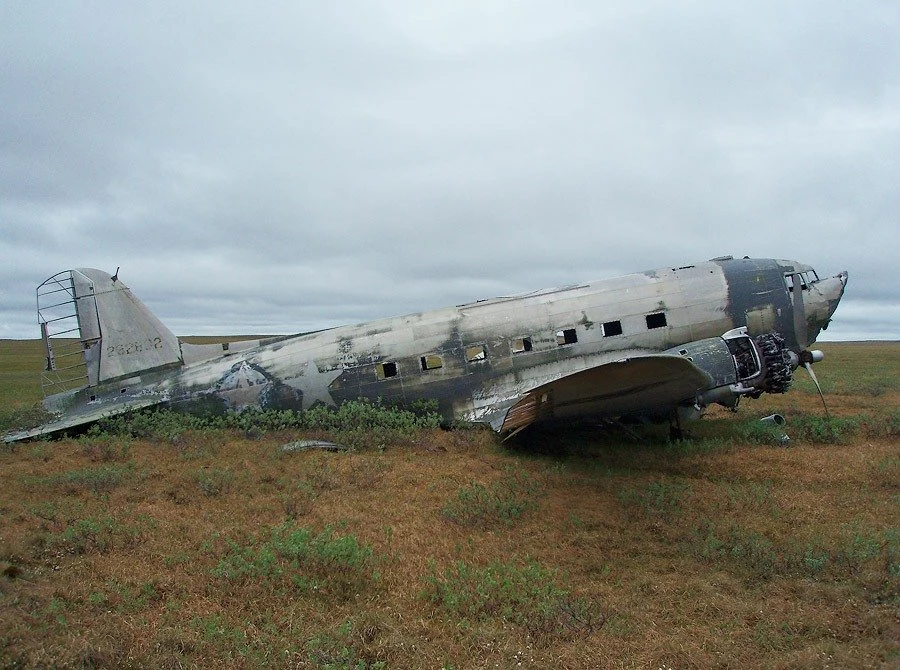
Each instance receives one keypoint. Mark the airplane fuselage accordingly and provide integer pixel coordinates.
(477, 357)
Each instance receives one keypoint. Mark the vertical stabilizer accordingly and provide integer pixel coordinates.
(117, 334)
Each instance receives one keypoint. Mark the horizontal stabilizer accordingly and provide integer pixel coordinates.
(86, 415)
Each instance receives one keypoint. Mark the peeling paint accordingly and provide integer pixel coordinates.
(485, 365)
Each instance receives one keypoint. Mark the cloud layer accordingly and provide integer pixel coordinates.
(263, 170)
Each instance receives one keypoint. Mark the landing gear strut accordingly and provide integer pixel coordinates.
(675, 432)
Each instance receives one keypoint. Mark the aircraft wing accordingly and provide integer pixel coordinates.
(632, 385)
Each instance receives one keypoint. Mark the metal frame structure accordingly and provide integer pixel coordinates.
(57, 313)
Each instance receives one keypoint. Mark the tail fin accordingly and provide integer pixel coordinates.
(116, 334)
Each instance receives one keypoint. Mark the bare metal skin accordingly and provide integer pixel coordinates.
(662, 344)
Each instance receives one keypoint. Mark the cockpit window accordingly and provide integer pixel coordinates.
(789, 281)
(806, 278)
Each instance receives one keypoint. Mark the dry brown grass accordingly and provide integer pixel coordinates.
(691, 556)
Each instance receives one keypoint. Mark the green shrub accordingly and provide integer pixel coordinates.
(82, 536)
(323, 562)
(744, 547)
(23, 418)
(213, 481)
(159, 424)
(337, 651)
(825, 430)
(855, 551)
(359, 424)
(662, 498)
(504, 501)
(99, 479)
(883, 425)
(751, 495)
(755, 431)
(231, 641)
(524, 594)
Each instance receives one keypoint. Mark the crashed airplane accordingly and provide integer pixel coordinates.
(659, 345)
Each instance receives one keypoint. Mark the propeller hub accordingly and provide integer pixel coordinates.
(814, 356)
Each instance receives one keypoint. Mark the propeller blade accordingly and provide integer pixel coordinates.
(799, 310)
(812, 374)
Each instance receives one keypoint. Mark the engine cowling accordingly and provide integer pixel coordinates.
(740, 365)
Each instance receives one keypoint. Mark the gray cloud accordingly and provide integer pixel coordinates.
(297, 167)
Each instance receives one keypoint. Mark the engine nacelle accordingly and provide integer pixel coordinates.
(739, 366)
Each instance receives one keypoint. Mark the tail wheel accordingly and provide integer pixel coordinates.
(777, 363)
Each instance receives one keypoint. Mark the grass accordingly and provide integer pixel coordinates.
(503, 501)
(300, 560)
(165, 543)
(91, 534)
(98, 479)
(213, 481)
(663, 498)
(521, 593)
(849, 554)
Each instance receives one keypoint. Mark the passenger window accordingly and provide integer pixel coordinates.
(611, 328)
(476, 353)
(657, 320)
(431, 362)
(386, 370)
(567, 336)
(521, 345)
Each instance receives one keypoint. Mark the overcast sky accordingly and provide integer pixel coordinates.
(264, 169)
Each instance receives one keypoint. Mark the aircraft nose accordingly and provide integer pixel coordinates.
(842, 277)
(830, 292)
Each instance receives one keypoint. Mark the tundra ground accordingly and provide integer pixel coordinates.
(576, 548)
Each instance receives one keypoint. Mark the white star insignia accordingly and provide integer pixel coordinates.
(314, 385)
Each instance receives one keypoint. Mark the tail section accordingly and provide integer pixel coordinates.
(95, 330)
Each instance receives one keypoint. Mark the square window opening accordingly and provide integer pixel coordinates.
(476, 353)
(657, 320)
(386, 370)
(611, 328)
(567, 336)
(521, 345)
(431, 362)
